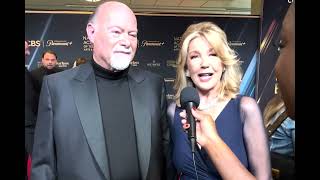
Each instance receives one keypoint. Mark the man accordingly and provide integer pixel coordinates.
(103, 119)
(30, 108)
(285, 73)
(285, 66)
(49, 62)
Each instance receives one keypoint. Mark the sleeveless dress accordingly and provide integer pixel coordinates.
(230, 129)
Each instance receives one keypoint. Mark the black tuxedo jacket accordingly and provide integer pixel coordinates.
(30, 110)
(69, 138)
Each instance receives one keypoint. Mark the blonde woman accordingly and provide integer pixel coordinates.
(232, 142)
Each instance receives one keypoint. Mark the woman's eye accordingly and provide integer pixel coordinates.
(212, 54)
(192, 57)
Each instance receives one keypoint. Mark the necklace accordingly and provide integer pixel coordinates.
(209, 105)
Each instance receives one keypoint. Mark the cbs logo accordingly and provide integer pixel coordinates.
(34, 43)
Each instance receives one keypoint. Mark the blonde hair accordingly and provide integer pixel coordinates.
(231, 78)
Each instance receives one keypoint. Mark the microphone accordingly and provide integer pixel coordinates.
(189, 98)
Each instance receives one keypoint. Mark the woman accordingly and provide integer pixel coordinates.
(232, 143)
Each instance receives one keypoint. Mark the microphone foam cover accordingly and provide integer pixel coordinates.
(189, 94)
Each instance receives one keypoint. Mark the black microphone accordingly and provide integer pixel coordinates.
(189, 98)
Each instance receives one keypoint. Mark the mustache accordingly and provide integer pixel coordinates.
(123, 50)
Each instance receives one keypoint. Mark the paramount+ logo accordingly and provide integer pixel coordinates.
(38, 43)
(146, 43)
(58, 43)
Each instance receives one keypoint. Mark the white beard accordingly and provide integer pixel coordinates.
(120, 63)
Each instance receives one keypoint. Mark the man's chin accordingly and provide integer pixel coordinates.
(120, 63)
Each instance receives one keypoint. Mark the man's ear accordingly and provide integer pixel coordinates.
(90, 31)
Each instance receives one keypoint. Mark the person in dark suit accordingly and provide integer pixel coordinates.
(103, 120)
(48, 66)
(30, 111)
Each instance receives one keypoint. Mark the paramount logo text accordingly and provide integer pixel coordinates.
(151, 43)
(58, 43)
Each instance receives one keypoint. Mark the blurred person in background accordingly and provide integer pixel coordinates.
(78, 61)
(48, 66)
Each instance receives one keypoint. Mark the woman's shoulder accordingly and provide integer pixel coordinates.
(249, 109)
(247, 104)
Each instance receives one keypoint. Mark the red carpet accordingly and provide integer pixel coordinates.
(29, 167)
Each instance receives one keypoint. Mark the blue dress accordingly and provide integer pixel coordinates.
(230, 129)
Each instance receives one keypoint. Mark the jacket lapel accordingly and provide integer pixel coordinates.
(142, 119)
(87, 103)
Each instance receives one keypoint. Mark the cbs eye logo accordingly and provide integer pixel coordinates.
(34, 43)
(290, 1)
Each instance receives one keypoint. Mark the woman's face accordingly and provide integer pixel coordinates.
(204, 66)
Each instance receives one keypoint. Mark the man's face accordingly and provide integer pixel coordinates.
(26, 49)
(285, 66)
(49, 61)
(114, 37)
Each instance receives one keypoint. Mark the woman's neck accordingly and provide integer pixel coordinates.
(208, 99)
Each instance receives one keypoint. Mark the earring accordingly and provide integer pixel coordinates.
(222, 74)
(187, 73)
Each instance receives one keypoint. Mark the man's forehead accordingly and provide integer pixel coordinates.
(289, 17)
(287, 26)
(49, 54)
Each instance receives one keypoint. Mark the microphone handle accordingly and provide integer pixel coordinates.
(192, 130)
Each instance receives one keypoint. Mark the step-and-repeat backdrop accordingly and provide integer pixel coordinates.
(158, 39)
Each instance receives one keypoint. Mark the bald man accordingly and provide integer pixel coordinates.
(103, 120)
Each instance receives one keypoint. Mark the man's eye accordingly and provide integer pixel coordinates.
(116, 32)
(280, 45)
(133, 35)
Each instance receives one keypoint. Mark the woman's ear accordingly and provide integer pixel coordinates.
(187, 73)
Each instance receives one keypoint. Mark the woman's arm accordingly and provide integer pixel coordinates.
(256, 140)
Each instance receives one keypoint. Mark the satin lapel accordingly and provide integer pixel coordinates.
(142, 121)
(87, 103)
